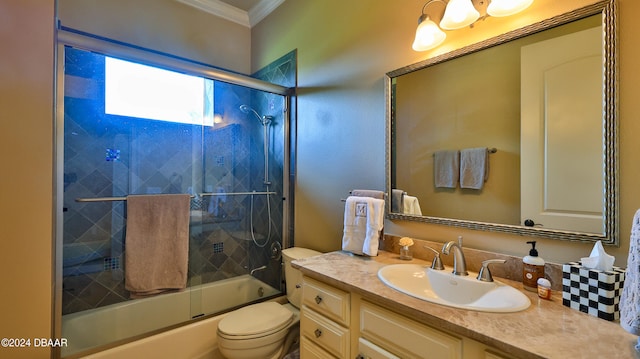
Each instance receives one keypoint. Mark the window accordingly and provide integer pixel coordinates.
(136, 90)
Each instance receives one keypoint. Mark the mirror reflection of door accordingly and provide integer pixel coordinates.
(561, 132)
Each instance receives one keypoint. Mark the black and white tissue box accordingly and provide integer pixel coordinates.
(592, 291)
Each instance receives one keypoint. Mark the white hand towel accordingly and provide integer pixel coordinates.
(446, 168)
(363, 221)
(411, 206)
(630, 298)
(474, 167)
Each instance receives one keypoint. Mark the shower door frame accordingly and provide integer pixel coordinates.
(88, 42)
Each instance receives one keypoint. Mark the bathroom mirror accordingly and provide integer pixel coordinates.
(460, 100)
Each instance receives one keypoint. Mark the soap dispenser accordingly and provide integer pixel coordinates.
(532, 269)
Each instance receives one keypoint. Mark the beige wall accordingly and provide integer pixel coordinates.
(343, 54)
(344, 49)
(481, 113)
(27, 124)
(163, 25)
(26, 203)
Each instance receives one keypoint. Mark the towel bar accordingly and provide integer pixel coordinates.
(105, 199)
(490, 150)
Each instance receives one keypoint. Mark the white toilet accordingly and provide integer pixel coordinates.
(265, 330)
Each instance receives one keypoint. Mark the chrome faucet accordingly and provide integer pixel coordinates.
(437, 262)
(459, 264)
(484, 275)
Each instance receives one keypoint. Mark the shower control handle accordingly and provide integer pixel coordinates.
(318, 299)
(317, 333)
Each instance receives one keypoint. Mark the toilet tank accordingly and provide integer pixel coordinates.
(293, 277)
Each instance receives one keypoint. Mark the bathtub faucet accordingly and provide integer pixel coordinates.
(258, 269)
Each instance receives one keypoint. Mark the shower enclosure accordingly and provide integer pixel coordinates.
(223, 142)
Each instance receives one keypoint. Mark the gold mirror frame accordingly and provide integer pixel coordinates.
(608, 9)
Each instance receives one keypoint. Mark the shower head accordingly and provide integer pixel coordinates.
(264, 120)
(246, 109)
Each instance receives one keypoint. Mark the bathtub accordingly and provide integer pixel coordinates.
(118, 322)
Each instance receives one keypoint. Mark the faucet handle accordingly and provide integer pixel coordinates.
(484, 275)
(437, 262)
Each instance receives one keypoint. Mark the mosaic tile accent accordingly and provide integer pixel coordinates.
(112, 155)
(111, 263)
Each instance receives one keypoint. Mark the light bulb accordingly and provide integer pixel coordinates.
(458, 14)
(428, 35)
(499, 8)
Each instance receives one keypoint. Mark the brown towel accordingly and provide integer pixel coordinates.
(157, 243)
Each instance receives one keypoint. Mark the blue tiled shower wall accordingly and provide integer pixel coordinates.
(107, 156)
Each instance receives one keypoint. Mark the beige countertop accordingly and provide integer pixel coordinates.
(547, 329)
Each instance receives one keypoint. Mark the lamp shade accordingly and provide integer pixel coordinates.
(428, 34)
(458, 14)
(500, 8)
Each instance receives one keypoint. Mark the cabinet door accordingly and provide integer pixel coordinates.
(368, 350)
(405, 337)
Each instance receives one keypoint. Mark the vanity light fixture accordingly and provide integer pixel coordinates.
(498, 8)
(458, 14)
(428, 34)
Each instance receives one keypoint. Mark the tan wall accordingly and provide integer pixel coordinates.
(343, 53)
(27, 124)
(483, 112)
(163, 25)
(344, 49)
(26, 197)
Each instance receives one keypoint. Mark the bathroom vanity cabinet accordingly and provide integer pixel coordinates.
(348, 313)
(325, 319)
(338, 324)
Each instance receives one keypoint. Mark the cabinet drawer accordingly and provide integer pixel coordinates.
(492, 355)
(326, 300)
(368, 350)
(308, 350)
(325, 333)
(404, 337)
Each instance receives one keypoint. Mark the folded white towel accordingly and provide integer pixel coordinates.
(474, 167)
(446, 168)
(411, 206)
(630, 298)
(363, 221)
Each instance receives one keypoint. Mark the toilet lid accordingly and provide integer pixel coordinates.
(257, 319)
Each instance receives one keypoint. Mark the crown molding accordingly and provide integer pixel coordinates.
(234, 14)
(262, 9)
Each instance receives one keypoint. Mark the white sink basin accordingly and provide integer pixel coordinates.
(442, 287)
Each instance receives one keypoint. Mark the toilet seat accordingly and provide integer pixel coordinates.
(255, 321)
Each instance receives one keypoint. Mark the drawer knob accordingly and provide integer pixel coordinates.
(318, 299)
(360, 356)
(317, 333)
